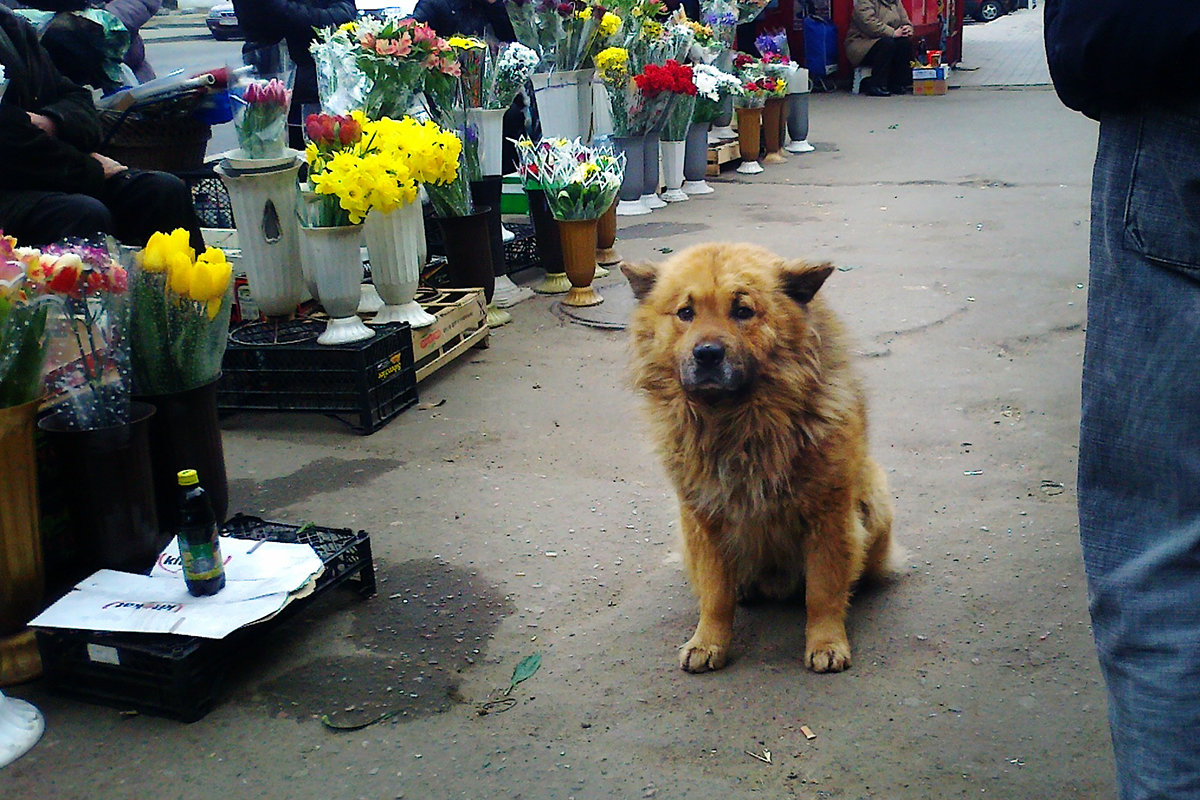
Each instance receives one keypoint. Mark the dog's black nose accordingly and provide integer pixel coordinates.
(708, 354)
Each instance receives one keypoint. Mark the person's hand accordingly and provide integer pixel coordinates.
(43, 122)
(904, 31)
(112, 167)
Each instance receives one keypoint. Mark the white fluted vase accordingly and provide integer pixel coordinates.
(396, 261)
(672, 170)
(21, 725)
(264, 212)
(332, 256)
(489, 123)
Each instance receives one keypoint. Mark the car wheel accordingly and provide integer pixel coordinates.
(990, 10)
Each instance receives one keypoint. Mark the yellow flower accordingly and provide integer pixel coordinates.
(584, 14)
(610, 23)
(162, 249)
(350, 27)
(612, 61)
(179, 273)
(465, 43)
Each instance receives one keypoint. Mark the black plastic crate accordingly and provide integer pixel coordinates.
(521, 252)
(180, 677)
(282, 368)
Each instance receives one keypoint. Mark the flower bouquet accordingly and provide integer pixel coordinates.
(756, 84)
(538, 24)
(721, 17)
(395, 55)
(683, 100)
(659, 85)
(705, 44)
(261, 97)
(23, 310)
(749, 10)
(261, 117)
(612, 65)
(712, 86)
(510, 69)
(581, 182)
(90, 332)
(179, 321)
(341, 84)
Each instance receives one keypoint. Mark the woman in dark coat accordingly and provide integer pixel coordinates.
(267, 22)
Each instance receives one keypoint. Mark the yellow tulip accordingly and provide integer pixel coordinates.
(154, 254)
(179, 273)
(200, 288)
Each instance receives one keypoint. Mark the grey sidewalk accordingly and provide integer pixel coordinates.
(1007, 52)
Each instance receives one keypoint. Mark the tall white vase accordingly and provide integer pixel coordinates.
(21, 725)
(672, 170)
(264, 211)
(489, 122)
(557, 98)
(396, 264)
(332, 255)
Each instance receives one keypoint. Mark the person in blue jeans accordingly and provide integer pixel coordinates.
(1131, 65)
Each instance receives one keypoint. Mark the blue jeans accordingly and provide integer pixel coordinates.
(1139, 465)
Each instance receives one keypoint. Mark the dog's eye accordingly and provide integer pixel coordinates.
(743, 312)
(686, 314)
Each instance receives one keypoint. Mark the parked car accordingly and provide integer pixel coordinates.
(988, 10)
(222, 22)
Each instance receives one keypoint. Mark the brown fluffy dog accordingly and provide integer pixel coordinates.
(761, 423)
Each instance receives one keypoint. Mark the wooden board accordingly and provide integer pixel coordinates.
(721, 154)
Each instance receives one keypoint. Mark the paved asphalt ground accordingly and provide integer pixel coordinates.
(519, 510)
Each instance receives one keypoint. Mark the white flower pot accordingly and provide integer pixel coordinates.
(489, 122)
(332, 255)
(672, 169)
(585, 103)
(396, 261)
(264, 211)
(21, 725)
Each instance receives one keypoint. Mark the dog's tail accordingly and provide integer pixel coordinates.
(885, 559)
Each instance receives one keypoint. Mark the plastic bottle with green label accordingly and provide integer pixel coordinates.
(199, 544)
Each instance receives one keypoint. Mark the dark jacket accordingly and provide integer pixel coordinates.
(468, 17)
(266, 22)
(32, 159)
(1109, 55)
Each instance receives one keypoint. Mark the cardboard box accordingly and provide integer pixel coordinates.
(929, 80)
(461, 324)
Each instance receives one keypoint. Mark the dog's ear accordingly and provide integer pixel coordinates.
(801, 280)
(641, 276)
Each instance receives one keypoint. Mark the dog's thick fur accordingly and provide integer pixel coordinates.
(761, 423)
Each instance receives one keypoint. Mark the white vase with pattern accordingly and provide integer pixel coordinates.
(396, 248)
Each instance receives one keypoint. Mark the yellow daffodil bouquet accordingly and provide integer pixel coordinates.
(179, 316)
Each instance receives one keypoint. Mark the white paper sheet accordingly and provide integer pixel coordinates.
(259, 582)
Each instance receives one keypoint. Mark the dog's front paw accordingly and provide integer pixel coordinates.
(699, 657)
(828, 657)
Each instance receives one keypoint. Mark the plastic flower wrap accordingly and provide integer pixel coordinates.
(705, 45)
(583, 36)
(440, 155)
(261, 116)
(749, 10)
(712, 86)
(612, 65)
(580, 182)
(721, 17)
(179, 321)
(658, 86)
(88, 333)
(526, 22)
(513, 65)
(395, 55)
(341, 85)
(474, 60)
(660, 40)
(23, 309)
(682, 88)
(774, 43)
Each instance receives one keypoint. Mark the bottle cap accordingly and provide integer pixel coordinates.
(188, 477)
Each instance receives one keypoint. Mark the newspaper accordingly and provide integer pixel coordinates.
(261, 578)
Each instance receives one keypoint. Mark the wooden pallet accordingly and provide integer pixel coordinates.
(461, 324)
(720, 155)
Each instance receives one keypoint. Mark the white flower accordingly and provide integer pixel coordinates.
(711, 82)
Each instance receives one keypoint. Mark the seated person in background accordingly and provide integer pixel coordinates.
(54, 184)
(266, 22)
(880, 37)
